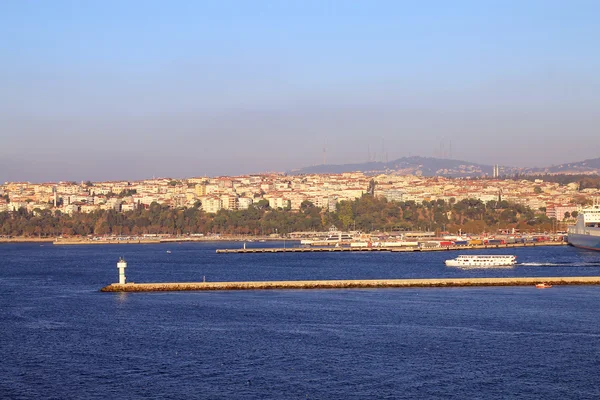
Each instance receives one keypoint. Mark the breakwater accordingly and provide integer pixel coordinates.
(26, 240)
(393, 249)
(349, 284)
(83, 242)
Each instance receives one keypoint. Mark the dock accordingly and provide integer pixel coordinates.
(349, 284)
(390, 249)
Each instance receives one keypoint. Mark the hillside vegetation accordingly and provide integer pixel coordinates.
(365, 214)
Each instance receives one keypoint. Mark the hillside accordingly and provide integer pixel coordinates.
(425, 166)
(590, 166)
(429, 166)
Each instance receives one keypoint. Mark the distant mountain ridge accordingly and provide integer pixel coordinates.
(430, 166)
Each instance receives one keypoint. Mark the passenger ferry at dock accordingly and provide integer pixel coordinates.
(334, 238)
(586, 232)
(481, 261)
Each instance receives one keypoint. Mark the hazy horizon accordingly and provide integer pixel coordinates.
(130, 90)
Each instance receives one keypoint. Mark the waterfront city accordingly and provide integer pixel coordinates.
(300, 200)
(281, 191)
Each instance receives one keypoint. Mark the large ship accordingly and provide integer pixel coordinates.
(586, 232)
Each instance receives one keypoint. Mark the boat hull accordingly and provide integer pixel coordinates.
(590, 242)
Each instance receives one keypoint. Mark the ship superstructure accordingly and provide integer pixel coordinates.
(586, 231)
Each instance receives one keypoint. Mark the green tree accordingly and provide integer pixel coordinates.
(574, 214)
(262, 204)
(345, 213)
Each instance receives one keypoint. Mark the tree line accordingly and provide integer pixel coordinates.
(365, 214)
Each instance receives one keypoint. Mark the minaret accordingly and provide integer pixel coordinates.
(121, 265)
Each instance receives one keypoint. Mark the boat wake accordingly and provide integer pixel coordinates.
(565, 264)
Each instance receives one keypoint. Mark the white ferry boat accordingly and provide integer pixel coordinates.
(586, 232)
(332, 239)
(480, 261)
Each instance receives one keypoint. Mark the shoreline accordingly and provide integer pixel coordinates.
(56, 241)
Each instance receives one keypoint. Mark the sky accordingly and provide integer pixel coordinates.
(108, 90)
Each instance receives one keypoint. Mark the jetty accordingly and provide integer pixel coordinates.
(69, 242)
(350, 284)
(26, 240)
(342, 249)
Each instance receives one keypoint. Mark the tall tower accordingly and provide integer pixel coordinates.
(121, 265)
(496, 172)
(55, 195)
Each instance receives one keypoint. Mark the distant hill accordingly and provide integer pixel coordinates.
(590, 166)
(429, 166)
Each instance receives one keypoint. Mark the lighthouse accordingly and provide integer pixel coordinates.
(121, 265)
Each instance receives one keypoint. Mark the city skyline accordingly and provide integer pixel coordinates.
(107, 91)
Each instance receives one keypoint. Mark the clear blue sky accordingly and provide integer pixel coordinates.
(133, 89)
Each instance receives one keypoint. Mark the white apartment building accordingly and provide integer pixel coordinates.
(558, 211)
(68, 189)
(211, 204)
(88, 208)
(393, 195)
(16, 205)
(127, 207)
(113, 203)
(244, 203)
(229, 202)
(278, 202)
(70, 209)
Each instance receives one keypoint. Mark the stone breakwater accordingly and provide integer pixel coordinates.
(26, 240)
(96, 242)
(349, 284)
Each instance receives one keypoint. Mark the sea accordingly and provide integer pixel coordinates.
(61, 338)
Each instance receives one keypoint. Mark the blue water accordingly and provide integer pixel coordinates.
(61, 338)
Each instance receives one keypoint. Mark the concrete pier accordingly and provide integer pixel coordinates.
(70, 242)
(350, 284)
(375, 249)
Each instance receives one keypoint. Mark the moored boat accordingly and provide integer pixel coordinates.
(482, 261)
(543, 285)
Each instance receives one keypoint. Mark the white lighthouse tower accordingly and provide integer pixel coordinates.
(121, 265)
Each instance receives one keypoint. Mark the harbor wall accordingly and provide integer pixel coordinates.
(26, 240)
(349, 284)
(96, 242)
